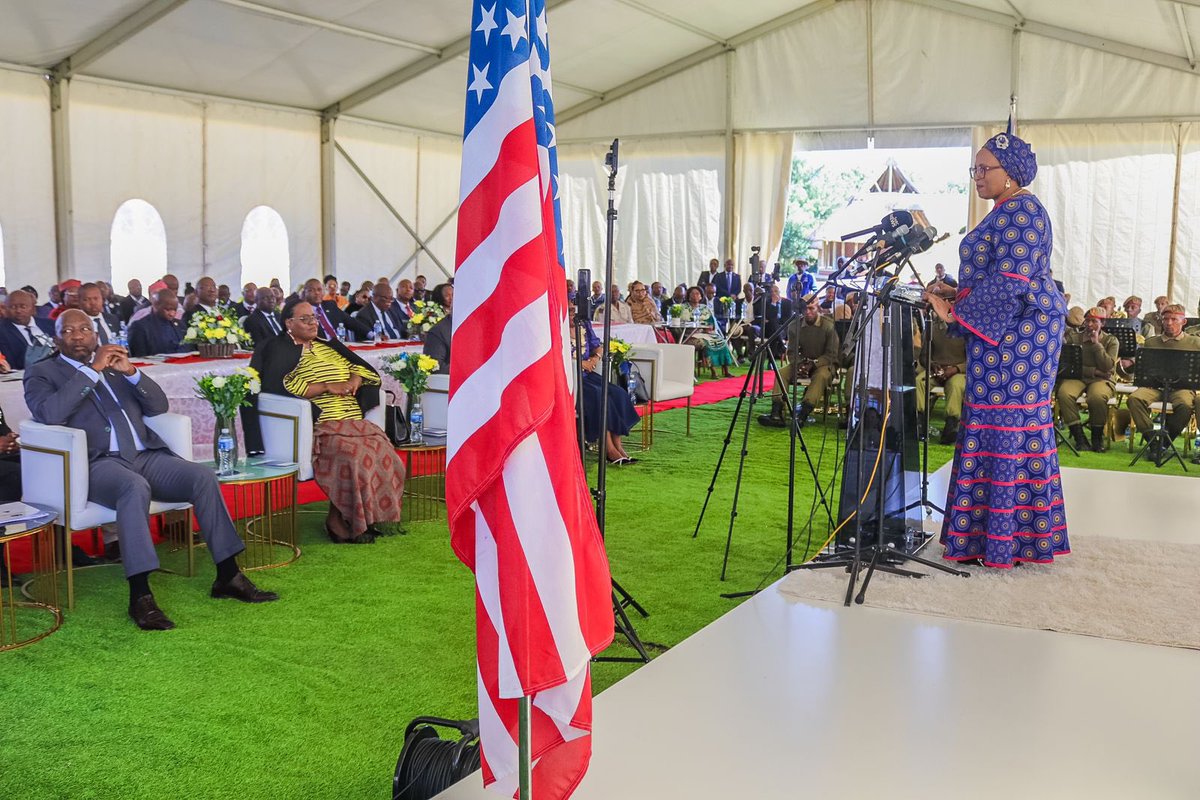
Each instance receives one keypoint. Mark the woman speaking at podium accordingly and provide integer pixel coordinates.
(1005, 504)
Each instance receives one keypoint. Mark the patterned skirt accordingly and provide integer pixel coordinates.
(1005, 503)
(357, 467)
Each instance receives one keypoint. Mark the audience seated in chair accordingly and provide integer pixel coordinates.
(95, 388)
(353, 461)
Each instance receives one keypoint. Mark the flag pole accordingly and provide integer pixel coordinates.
(524, 765)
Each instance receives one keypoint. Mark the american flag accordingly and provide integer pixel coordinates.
(519, 507)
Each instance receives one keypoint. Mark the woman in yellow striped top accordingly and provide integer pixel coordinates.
(353, 461)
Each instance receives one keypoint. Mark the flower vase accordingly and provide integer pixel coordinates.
(221, 423)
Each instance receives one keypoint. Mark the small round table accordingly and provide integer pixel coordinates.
(32, 612)
(424, 479)
(263, 508)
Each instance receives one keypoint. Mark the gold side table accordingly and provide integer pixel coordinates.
(31, 612)
(263, 508)
(424, 480)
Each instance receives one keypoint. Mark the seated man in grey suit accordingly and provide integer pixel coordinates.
(96, 389)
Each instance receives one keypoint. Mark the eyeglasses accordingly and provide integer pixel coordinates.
(306, 319)
(980, 171)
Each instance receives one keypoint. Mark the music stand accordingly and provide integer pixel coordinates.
(1070, 367)
(1165, 370)
(1125, 334)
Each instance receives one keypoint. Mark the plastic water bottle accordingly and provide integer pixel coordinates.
(633, 384)
(377, 331)
(416, 424)
(123, 335)
(341, 332)
(225, 453)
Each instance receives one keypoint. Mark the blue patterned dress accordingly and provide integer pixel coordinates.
(1005, 503)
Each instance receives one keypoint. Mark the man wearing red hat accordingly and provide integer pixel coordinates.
(70, 297)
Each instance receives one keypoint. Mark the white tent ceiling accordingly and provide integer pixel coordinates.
(709, 96)
(403, 61)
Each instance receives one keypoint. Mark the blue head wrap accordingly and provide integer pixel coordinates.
(1015, 155)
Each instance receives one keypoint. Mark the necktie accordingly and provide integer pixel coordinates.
(116, 418)
(100, 330)
(387, 324)
(273, 322)
(35, 338)
(325, 324)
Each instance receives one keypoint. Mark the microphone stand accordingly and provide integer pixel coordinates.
(622, 599)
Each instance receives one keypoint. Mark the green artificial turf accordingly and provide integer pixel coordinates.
(308, 697)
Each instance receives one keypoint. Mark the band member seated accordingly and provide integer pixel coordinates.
(947, 367)
(1099, 370)
(1182, 401)
(812, 353)
(95, 388)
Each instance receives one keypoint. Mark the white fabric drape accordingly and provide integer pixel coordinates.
(27, 200)
(1109, 191)
(1187, 250)
(669, 206)
(763, 172)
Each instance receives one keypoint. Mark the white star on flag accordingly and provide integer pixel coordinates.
(540, 27)
(479, 82)
(488, 23)
(514, 29)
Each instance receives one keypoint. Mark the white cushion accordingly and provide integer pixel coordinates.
(674, 369)
(436, 401)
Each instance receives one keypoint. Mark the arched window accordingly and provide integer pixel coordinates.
(265, 253)
(137, 244)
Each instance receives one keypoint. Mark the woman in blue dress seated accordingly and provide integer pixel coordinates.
(1005, 504)
(621, 414)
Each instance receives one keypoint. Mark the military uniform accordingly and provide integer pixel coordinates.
(1181, 399)
(817, 342)
(945, 351)
(1097, 389)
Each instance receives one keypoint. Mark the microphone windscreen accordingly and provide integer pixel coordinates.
(894, 220)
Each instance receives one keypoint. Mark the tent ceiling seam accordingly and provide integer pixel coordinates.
(329, 25)
(114, 36)
(1186, 35)
(672, 20)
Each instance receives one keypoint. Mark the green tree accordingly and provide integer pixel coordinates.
(815, 193)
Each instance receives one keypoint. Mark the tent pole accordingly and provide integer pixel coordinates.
(1175, 211)
(524, 760)
(729, 162)
(60, 150)
(328, 208)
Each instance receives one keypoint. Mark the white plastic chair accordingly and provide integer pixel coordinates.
(286, 423)
(672, 375)
(54, 474)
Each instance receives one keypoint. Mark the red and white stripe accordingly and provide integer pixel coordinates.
(519, 507)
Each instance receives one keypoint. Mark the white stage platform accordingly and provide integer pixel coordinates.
(782, 699)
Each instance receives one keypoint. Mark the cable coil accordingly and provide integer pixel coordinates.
(429, 764)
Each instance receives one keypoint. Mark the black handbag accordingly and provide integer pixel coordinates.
(395, 423)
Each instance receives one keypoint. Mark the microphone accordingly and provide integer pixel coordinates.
(909, 244)
(892, 223)
(583, 288)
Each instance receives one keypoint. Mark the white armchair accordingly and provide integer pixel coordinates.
(287, 429)
(671, 372)
(436, 401)
(54, 474)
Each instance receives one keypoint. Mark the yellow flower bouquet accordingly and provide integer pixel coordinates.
(411, 370)
(217, 334)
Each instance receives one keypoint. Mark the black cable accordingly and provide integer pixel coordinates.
(428, 764)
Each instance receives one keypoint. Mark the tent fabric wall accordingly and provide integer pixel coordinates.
(261, 157)
(132, 144)
(1186, 287)
(762, 177)
(1109, 190)
(27, 202)
(668, 197)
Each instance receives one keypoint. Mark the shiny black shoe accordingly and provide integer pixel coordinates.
(148, 616)
(81, 559)
(239, 587)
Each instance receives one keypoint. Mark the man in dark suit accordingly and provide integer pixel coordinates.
(329, 316)
(45, 310)
(206, 300)
(91, 302)
(706, 277)
(264, 323)
(22, 335)
(727, 283)
(133, 302)
(95, 388)
(112, 300)
(437, 341)
(382, 309)
(160, 331)
(403, 307)
(777, 312)
(245, 307)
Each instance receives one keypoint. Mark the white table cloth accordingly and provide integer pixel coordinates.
(628, 332)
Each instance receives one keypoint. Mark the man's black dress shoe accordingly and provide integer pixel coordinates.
(81, 559)
(148, 616)
(242, 588)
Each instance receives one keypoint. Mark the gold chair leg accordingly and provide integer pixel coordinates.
(689, 416)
